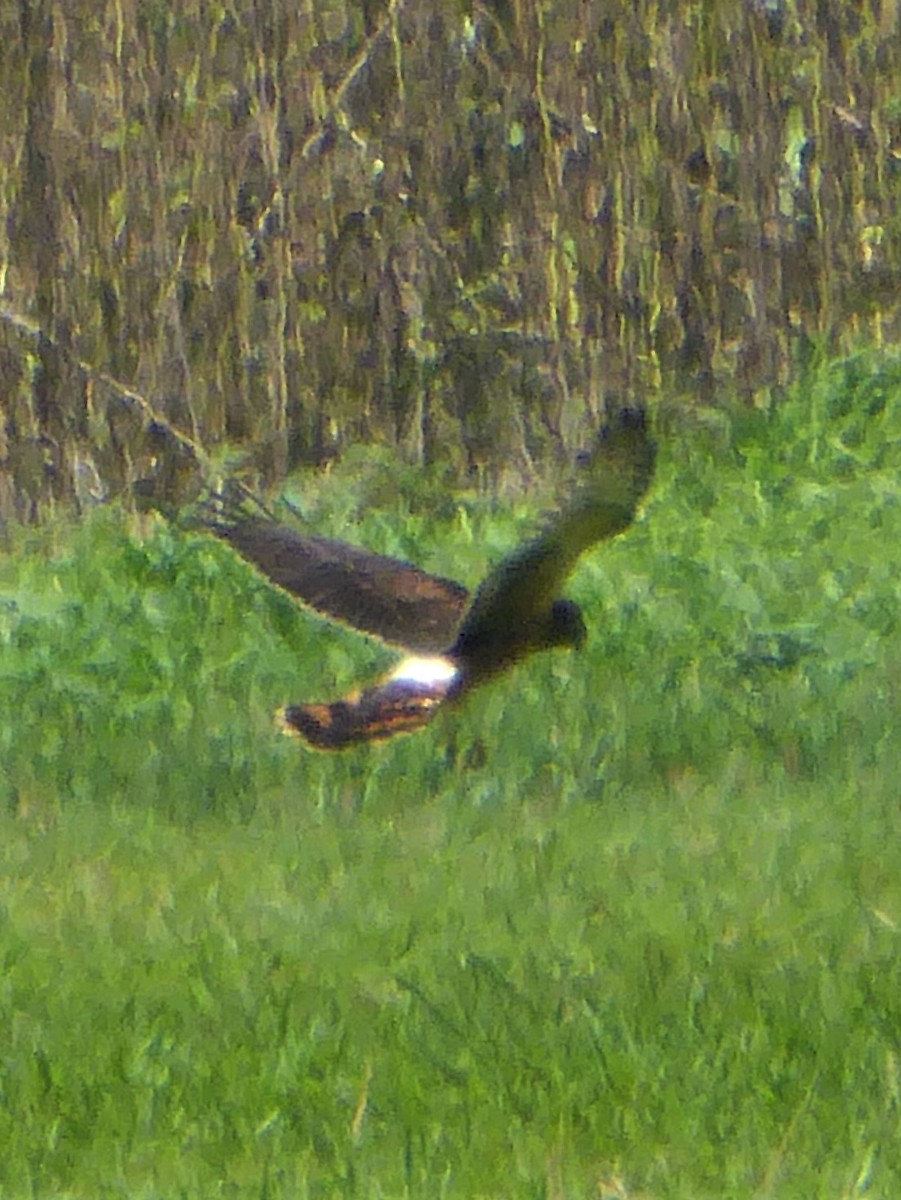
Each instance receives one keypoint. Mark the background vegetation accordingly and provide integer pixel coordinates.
(458, 229)
(625, 926)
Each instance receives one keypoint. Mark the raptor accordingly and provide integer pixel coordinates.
(455, 642)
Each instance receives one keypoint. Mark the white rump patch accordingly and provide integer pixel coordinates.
(426, 670)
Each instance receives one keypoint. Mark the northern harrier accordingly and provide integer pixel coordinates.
(458, 643)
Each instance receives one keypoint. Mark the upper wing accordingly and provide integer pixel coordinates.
(377, 594)
(523, 587)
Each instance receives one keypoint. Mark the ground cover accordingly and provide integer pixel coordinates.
(627, 925)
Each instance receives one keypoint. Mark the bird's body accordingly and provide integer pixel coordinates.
(459, 645)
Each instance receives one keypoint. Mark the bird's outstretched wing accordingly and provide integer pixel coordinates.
(383, 596)
(522, 589)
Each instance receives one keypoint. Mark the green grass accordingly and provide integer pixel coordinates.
(627, 925)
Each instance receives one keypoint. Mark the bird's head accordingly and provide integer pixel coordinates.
(567, 625)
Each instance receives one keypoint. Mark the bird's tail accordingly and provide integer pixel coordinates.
(392, 707)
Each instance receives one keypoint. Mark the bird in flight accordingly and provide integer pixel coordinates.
(455, 642)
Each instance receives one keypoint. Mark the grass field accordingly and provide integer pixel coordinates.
(628, 925)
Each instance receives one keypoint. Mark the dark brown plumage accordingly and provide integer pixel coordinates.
(376, 594)
(515, 612)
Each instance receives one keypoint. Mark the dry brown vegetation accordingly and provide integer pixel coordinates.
(457, 228)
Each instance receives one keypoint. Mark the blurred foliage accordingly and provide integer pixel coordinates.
(762, 578)
(459, 230)
(625, 924)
